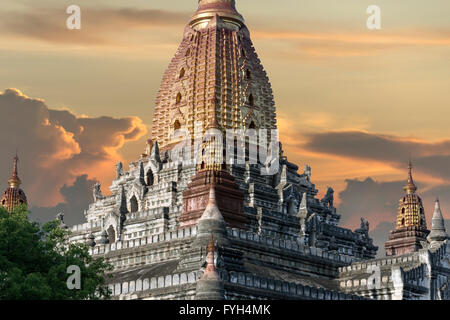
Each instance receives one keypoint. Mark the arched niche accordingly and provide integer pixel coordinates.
(134, 206)
(150, 178)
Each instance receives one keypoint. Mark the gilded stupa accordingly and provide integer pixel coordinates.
(13, 196)
(411, 226)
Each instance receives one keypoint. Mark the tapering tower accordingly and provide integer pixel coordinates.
(215, 69)
(210, 286)
(438, 232)
(13, 196)
(411, 226)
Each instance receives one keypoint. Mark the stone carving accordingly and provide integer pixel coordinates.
(91, 240)
(292, 206)
(313, 227)
(365, 225)
(332, 245)
(302, 215)
(97, 193)
(364, 229)
(444, 291)
(308, 172)
(60, 216)
(148, 147)
(329, 197)
(259, 218)
(119, 170)
(104, 238)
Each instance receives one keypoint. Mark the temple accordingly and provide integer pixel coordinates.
(13, 196)
(208, 228)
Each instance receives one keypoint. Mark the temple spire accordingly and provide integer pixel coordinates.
(211, 222)
(210, 285)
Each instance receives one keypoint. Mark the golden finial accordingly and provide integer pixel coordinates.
(410, 187)
(14, 181)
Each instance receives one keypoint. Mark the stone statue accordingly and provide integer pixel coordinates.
(308, 172)
(148, 147)
(119, 170)
(329, 197)
(364, 229)
(259, 218)
(292, 206)
(313, 229)
(60, 217)
(97, 192)
(365, 225)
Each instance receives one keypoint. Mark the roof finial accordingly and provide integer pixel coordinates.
(210, 249)
(14, 181)
(207, 9)
(410, 187)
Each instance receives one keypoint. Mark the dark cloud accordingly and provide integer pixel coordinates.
(56, 147)
(77, 198)
(380, 235)
(98, 25)
(369, 198)
(430, 158)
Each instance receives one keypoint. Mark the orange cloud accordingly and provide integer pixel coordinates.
(57, 146)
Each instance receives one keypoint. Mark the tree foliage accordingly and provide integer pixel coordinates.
(34, 261)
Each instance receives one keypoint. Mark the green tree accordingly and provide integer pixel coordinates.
(34, 261)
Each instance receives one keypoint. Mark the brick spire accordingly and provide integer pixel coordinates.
(210, 285)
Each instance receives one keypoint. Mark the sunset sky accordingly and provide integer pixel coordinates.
(354, 104)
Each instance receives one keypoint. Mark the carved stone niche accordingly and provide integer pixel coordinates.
(230, 200)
